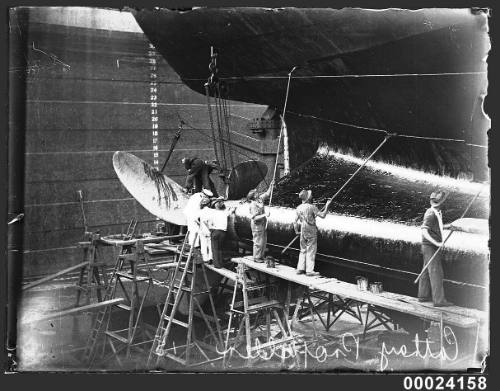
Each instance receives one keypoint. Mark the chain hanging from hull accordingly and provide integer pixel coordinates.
(219, 115)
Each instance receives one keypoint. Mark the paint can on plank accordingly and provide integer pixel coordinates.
(362, 283)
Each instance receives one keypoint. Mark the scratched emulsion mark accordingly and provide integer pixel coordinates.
(38, 60)
(162, 187)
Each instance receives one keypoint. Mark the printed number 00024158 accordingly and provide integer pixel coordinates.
(444, 383)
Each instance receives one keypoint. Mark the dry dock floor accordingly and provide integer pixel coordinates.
(57, 345)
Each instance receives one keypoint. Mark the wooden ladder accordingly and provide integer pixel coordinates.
(180, 287)
(90, 348)
(137, 258)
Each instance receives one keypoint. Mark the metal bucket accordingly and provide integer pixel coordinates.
(376, 287)
(270, 263)
(362, 283)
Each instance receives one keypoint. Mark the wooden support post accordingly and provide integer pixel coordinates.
(231, 314)
(296, 311)
(288, 298)
(246, 313)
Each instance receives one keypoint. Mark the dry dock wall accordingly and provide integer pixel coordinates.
(90, 92)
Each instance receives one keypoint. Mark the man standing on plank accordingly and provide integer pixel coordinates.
(259, 221)
(305, 225)
(204, 232)
(192, 213)
(430, 285)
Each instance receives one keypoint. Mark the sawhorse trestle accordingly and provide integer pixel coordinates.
(92, 273)
(336, 306)
(242, 313)
(138, 273)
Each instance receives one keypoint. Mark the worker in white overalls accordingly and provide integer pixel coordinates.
(258, 221)
(192, 213)
(305, 221)
(205, 217)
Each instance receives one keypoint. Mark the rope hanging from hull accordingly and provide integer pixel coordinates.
(174, 143)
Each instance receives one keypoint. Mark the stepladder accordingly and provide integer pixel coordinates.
(246, 319)
(131, 279)
(93, 275)
(179, 337)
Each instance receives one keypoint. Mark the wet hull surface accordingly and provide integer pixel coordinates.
(383, 241)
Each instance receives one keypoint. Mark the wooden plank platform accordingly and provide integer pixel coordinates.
(233, 276)
(149, 239)
(161, 248)
(454, 315)
(229, 274)
(286, 272)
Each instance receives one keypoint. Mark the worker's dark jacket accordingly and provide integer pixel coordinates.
(198, 175)
(194, 166)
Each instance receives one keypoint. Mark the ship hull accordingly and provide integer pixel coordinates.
(384, 251)
(411, 73)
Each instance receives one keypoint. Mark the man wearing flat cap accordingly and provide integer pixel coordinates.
(430, 285)
(258, 221)
(305, 221)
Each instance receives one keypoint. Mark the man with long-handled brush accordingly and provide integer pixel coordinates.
(430, 285)
(259, 221)
(305, 225)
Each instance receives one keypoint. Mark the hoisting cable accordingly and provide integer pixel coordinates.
(223, 126)
(225, 111)
(219, 131)
(448, 236)
(223, 162)
(208, 84)
(219, 122)
(386, 138)
(281, 134)
(231, 144)
(174, 142)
